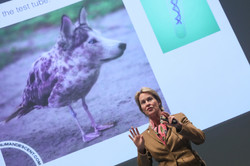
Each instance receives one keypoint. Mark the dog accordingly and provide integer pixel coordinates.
(69, 70)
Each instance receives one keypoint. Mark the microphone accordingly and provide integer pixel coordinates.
(163, 118)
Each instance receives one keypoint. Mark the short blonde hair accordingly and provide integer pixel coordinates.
(151, 92)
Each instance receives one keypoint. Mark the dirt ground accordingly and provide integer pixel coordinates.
(53, 133)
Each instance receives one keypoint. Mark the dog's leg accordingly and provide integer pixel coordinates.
(96, 127)
(85, 137)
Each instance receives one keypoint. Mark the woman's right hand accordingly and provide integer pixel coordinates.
(138, 139)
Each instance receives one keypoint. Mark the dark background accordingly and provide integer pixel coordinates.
(227, 144)
(2, 1)
(238, 14)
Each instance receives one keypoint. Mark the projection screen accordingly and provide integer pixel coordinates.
(69, 71)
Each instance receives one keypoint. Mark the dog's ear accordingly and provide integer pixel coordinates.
(67, 27)
(83, 16)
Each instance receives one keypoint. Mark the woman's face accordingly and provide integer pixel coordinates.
(149, 105)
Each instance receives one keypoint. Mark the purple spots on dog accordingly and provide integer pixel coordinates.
(54, 81)
(63, 46)
(66, 59)
(48, 63)
(37, 76)
(45, 76)
(55, 70)
(43, 59)
(32, 78)
(45, 65)
(80, 36)
(65, 70)
(58, 87)
(80, 66)
(39, 92)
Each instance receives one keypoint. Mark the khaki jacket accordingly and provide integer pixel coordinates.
(177, 151)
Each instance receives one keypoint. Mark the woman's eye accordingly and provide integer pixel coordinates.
(92, 41)
(149, 99)
(143, 102)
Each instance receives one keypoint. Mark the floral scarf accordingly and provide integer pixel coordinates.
(160, 130)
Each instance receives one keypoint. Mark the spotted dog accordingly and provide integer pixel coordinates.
(68, 71)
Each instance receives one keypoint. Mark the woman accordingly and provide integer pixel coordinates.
(168, 137)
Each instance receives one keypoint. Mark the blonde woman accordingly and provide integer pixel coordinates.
(168, 137)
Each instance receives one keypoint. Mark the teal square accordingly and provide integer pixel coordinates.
(179, 22)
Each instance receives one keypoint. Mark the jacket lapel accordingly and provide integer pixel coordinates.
(168, 133)
(152, 133)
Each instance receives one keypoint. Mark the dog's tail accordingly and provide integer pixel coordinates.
(21, 111)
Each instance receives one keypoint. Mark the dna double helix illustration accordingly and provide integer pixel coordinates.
(177, 10)
(179, 27)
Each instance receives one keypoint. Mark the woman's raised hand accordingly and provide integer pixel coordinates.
(138, 139)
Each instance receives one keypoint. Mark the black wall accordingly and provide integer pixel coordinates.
(238, 14)
(2, 1)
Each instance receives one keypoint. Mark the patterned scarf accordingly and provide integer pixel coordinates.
(160, 130)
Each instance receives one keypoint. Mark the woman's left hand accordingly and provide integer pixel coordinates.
(170, 118)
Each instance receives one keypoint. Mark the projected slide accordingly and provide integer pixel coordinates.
(69, 71)
(179, 22)
(68, 80)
